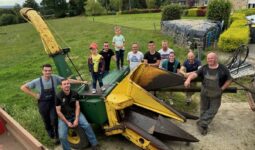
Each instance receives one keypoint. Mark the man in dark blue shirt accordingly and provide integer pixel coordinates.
(190, 65)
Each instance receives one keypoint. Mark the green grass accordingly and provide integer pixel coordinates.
(22, 54)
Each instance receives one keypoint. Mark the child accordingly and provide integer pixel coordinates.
(118, 42)
(96, 67)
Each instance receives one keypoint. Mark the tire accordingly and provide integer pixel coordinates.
(77, 138)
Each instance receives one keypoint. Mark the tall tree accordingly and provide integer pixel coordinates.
(76, 7)
(32, 4)
(59, 6)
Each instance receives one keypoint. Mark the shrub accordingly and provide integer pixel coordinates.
(94, 8)
(237, 34)
(171, 12)
(201, 12)
(237, 16)
(247, 12)
(192, 12)
(233, 38)
(219, 10)
(139, 11)
(6, 19)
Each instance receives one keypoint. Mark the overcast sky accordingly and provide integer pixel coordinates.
(13, 2)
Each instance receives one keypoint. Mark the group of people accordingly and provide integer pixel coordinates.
(65, 104)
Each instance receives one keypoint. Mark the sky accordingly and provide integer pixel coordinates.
(13, 2)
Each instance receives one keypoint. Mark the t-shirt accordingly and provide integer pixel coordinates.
(152, 58)
(96, 61)
(119, 41)
(134, 59)
(35, 84)
(67, 103)
(107, 58)
(223, 73)
(191, 67)
(164, 55)
(171, 66)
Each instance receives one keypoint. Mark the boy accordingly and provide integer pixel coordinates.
(118, 41)
(107, 54)
(96, 67)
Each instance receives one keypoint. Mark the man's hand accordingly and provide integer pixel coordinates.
(69, 124)
(75, 123)
(37, 96)
(187, 83)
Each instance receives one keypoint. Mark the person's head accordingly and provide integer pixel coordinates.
(212, 59)
(164, 45)
(46, 70)
(117, 30)
(135, 47)
(65, 85)
(191, 56)
(151, 46)
(171, 57)
(106, 46)
(93, 48)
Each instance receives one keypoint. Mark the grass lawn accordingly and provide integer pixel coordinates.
(22, 54)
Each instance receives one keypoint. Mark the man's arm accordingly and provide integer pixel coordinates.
(77, 113)
(155, 64)
(28, 91)
(73, 81)
(191, 76)
(62, 117)
(226, 84)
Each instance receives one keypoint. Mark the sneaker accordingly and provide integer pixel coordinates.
(202, 130)
(103, 88)
(94, 91)
(56, 141)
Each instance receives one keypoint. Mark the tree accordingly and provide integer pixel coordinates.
(151, 3)
(16, 9)
(32, 4)
(76, 7)
(117, 4)
(93, 8)
(59, 7)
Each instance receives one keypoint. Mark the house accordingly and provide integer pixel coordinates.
(237, 4)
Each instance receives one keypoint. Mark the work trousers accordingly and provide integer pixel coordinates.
(208, 109)
(48, 113)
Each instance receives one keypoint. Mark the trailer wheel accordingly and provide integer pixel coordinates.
(77, 138)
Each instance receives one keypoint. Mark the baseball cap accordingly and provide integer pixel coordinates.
(93, 45)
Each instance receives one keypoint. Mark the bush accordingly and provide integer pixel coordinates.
(192, 12)
(219, 10)
(140, 11)
(247, 12)
(94, 8)
(6, 19)
(201, 12)
(232, 38)
(237, 34)
(171, 12)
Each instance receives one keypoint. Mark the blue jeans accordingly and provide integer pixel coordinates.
(63, 131)
(97, 77)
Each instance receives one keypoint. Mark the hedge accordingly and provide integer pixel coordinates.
(139, 11)
(192, 12)
(237, 34)
(171, 12)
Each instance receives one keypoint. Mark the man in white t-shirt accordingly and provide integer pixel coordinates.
(164, 52)
(134, 57)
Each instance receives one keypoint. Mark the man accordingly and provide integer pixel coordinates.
(107, 54)
(164, 51)
(190, 65)
(68, 110)
(45, 95)
(215, 79)
(152, 58)
(134, 57)
(171, 64)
